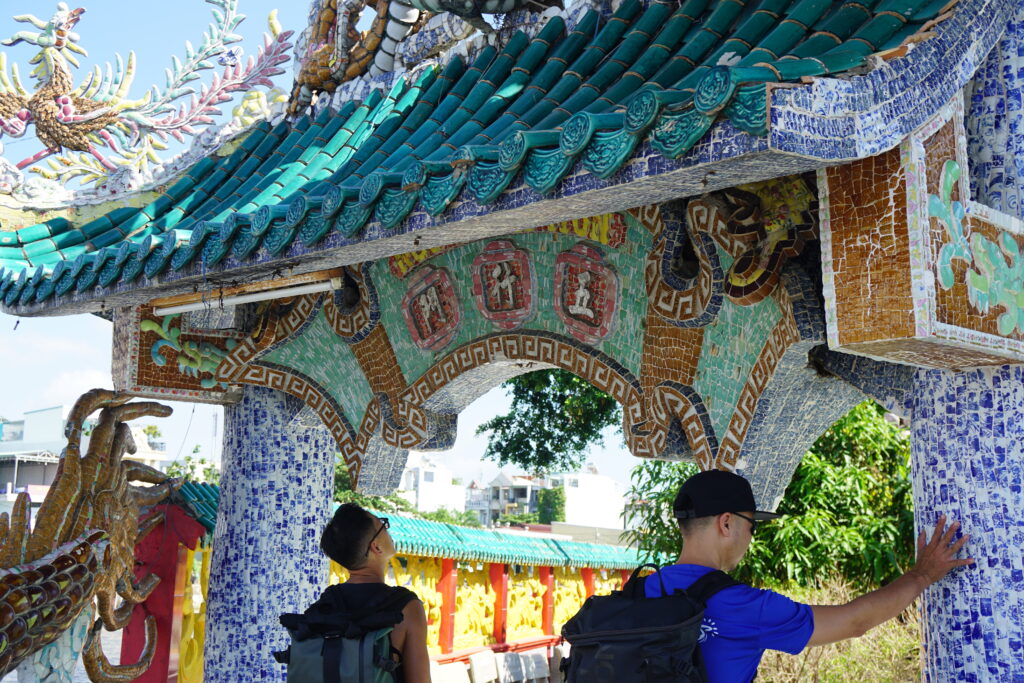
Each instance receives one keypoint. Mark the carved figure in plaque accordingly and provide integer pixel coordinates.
(502, 289)
(582, 296)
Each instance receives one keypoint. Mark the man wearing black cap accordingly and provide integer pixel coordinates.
(717, 517)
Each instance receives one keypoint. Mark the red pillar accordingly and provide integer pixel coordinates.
(547, 578)
(499, 582)
(162, 553)
(446, 587)
(588, 580)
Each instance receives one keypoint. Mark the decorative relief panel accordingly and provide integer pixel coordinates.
(170, 358)
(914, 271)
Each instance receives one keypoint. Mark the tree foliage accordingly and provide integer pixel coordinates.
(847, 512)
(551, 505)
(555, 416)
(520, 518)
(446, 516)
(195, 469)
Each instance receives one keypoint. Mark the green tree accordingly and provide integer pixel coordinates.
(446, 516)
(520, 518)
(152, 431)
(847, 511)
(555, 416)
(345, 493)
(551, 505)
(195, 469)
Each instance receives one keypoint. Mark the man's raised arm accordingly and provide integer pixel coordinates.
(934, 560)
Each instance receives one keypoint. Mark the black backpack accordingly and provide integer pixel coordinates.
(332, 642)
(627, 637)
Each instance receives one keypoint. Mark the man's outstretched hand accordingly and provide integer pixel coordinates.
(936, 557)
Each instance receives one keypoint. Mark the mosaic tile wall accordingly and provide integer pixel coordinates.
(276, 483)
(968, 463)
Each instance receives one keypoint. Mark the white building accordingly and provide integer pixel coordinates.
(429, 485)
(592, 499)
(512, 495)
(478, 501)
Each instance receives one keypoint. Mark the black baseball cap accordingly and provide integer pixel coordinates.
(713, 492)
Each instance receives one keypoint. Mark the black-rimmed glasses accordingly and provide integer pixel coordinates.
(753, 522)
(384, 524)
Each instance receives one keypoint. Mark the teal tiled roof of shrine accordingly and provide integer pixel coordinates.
(582, 98)
(425, 538)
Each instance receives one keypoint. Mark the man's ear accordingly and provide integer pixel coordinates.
(725, 522)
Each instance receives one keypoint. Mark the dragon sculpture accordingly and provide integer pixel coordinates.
(332, 52)
(81, 546)
(98, 120)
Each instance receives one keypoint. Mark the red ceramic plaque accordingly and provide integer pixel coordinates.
(586, 293)
(431, 309)
(503, 284)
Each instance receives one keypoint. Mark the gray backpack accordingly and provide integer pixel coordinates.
(332, 642)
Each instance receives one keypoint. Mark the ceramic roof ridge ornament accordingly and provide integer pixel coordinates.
(332, 52)
(91, 131)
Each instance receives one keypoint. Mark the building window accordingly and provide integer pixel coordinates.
(428, 476)
(574, 483)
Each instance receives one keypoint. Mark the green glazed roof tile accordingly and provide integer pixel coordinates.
(535, 109)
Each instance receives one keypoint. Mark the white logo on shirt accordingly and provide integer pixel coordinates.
(707, 628)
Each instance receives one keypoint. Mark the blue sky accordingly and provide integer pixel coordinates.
(50, 361)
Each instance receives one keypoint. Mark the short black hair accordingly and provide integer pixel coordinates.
(689, 526)
(346, 536)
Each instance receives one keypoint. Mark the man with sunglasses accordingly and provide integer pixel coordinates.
(717, 517)
(359, 541)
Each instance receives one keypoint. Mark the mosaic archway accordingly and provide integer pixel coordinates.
(682, 312)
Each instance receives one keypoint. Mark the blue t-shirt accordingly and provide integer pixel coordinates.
(740, 623)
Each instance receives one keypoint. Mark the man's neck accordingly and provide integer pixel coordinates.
(367, 574)
(702, 558)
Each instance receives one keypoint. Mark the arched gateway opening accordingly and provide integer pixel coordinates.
(699, 318)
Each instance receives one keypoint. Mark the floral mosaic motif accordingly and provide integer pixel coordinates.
(996, 279)
(194, 359)
(74, 123)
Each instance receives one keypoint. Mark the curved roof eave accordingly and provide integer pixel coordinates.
(485, 188)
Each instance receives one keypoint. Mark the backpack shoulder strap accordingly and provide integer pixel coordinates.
(708, 585)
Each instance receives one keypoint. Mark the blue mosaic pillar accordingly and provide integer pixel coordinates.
(967, 443)
(995, 136)
(275, 499)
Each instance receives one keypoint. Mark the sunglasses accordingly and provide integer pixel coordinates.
(384, 524)
(753, 522)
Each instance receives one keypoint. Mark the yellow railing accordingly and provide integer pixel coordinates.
(193, 614)
(474, 606)
(475, 601)
(525, 603)
(569, 594)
